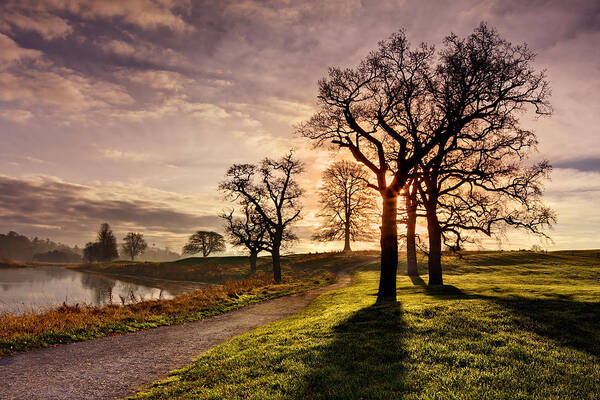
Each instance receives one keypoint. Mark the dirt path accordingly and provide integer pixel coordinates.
(114, 366)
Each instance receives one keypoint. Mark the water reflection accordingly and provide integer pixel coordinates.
(37, 289)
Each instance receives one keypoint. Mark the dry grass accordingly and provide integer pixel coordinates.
(76, 323)
(5, 263)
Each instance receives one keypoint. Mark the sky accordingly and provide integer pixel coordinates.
(130, 112)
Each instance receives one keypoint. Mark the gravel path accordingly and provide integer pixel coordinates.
(114, 366)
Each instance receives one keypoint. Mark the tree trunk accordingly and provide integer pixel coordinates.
(347, 237)
(411, 244)
(253, 257)
(435, 245)
(276, 262)
(389, 249)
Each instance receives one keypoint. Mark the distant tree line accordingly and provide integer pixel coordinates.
(14, 246)
(17, 247)
(57, 256)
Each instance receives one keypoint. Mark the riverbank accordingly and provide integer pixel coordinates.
(121, 363)
(77, 323)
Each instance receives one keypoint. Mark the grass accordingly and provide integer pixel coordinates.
(12, 264)
(77, 323)
(223, 269)
(506, 326)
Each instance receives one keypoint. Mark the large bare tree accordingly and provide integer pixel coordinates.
(403, 107)
(482, 84)
(272, 190)
(377, 112)
(249, 231)
(347, 204)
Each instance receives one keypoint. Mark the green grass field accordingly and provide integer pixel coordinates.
(506, 326)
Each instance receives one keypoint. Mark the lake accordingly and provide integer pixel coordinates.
(37, 289)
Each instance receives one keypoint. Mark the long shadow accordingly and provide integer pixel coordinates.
(568, 322)
(364, 361)
(417, 280)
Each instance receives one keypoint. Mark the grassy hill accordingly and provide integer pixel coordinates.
(508, 325)
(221, 269)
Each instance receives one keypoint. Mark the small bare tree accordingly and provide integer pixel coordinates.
(204, 242)
(272, 190)
(249, 231)
(134, 244)
(347, 204)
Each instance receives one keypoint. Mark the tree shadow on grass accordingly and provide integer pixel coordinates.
(571, 323)
(565, 321)
(364, 361)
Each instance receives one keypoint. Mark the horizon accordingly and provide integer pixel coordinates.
(108, 115)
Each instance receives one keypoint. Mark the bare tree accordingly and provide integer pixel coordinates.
(347, 204)
(376, 112)
(249, 231)
(472, 207)
(204, 242)
(272, 190)
(134, 244)
(481, 85)
(403, 109)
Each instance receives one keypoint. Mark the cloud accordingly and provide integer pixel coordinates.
(50, 18)
(47, 25)
(146, 14)
(174, 106)
(11, 52)
(62, 89)
(582, 164)
(156, 79)
(17, 116)
(73, 211)
(124, 155)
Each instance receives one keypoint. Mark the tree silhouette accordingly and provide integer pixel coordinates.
(107, 243)
(272, 190)
(251, 232)
(411, 211)
(91, 252)
(134, 244)
(204, 242)
(481, 85)
(105, 247)
(347, 204)
(403, 110)
(366, 110)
